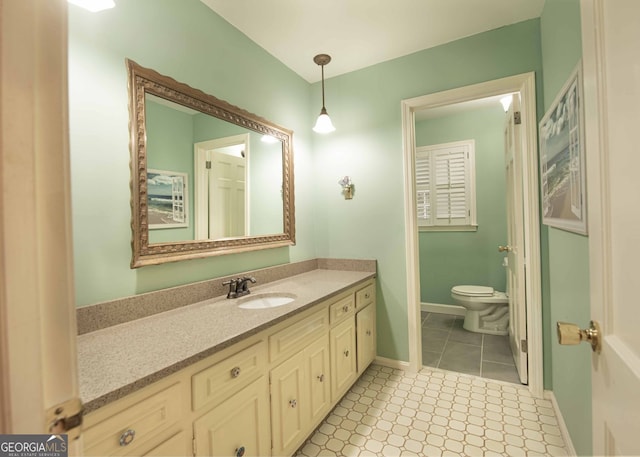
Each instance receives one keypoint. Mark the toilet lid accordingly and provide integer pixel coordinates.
(473, 291)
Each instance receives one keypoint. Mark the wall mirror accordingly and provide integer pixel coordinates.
(207, 178)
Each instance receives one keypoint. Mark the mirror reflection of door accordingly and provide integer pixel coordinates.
(221, 167)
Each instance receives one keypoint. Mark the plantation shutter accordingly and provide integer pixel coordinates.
(451, 187)
(445, 194)
(423, 187)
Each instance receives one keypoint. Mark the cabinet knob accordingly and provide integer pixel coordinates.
(235, 372)
(321, 378)
(127, 437)
(293, 403)
(368, 332)
(346, 353)
(345, 308)
(240, 451)
(367, 295)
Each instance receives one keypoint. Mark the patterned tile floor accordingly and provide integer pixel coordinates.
(390, 412)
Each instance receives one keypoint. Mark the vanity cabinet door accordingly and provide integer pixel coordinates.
(289, 404)
(318, 379)
(366, 336)
(238, 426)
(179, 444)
(343, 357)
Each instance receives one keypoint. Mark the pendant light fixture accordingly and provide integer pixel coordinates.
(323, 124)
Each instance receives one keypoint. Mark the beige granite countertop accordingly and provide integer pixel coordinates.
(121, 359)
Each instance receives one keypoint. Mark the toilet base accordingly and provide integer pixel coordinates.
(493, 320)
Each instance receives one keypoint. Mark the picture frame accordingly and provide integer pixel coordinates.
(167, 199)
(562, 159)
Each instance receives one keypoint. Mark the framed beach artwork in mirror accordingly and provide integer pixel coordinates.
(562, 159)
(168, 199)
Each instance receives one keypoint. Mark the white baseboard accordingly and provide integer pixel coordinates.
(561, 424)
(443, 309)
(392, 363)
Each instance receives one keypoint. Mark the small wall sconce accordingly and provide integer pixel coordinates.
(347, 187)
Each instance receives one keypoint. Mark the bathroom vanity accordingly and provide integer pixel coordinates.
(214, 379)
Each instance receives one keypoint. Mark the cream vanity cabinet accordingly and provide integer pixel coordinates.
(366, 325)
(147, 422)
(235, 394)
(262, 396)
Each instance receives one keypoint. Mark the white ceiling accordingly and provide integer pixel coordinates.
(360, 33)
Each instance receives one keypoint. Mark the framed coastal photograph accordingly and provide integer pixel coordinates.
(562, 159)
(167, 199)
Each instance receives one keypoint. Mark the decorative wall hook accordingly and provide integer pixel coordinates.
(347, 187)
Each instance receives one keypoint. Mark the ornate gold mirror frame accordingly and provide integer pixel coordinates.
(146, 81)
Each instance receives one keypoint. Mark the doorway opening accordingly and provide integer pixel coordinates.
(525, 321)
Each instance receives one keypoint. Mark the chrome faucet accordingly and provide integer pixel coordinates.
(239, 286)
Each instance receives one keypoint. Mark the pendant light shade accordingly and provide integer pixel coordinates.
(323, 124)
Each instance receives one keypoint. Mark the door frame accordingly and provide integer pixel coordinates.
(525, 84)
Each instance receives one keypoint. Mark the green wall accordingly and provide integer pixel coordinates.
(568, 253)
(452, 258)
(170, 148)
(367, 145)
(187, 41)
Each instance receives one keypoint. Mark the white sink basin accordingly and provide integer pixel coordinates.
(266, 300)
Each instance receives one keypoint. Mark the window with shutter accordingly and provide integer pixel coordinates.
(445, 186)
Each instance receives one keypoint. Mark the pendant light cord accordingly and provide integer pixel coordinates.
(322, 71)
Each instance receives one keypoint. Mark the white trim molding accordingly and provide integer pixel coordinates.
(440, 308)
(525, 85)
(571, 450)
(392, 363)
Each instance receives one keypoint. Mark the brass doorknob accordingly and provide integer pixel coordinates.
(571, 334)
(504, 248)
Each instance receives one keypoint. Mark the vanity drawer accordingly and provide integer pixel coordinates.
(341, 309)
(143, 425)
(365, 296)
(218, 382)
(291, 339)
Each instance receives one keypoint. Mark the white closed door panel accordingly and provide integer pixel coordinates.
(515, 241)
(611, 65)
(227, 196)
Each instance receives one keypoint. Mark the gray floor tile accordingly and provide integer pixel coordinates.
(430, 359)
(447, 345)
(500, 372)
(434, 339)
(443, 321)
(461, 335)
(462, 358)
(497, 349)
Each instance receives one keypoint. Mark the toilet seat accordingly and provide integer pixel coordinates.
(473, 291)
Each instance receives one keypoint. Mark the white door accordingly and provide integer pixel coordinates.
(227, 196)
(611, 64)
(515, 240)
(221, 187)
(38, 368)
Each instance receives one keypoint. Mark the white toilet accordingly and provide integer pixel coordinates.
(487, 309)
